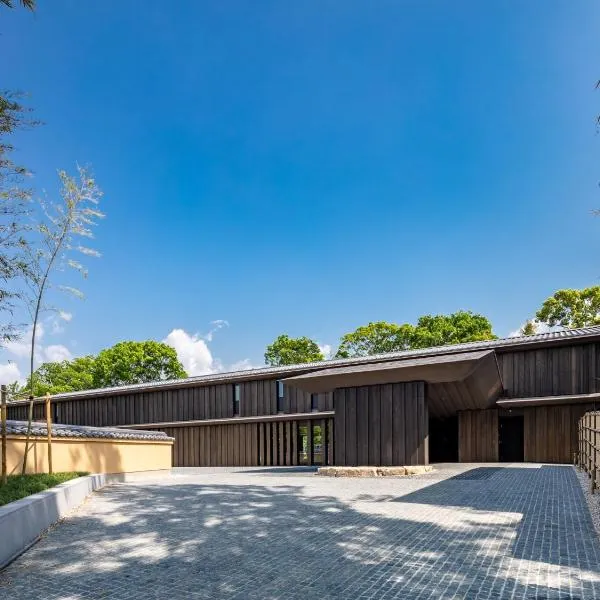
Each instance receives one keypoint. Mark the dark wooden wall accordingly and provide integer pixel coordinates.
(385, 425)
(478, 435)
(550, 371)
(258, 397)
(550, 433)
(268, 443)
(381, 425)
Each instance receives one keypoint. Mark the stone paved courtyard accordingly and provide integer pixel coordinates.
(464, 531)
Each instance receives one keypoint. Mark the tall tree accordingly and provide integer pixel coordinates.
(15, 206)
(60, 377)
(286, 350)
(15, 212)
(136, 362)
(376, 338)
(456, 328)
(30, 4)
(571, 308)
(64, 224)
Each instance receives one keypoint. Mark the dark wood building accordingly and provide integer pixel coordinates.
(515, 399)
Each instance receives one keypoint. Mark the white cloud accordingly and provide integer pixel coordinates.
(22, 346)
(326, 350)
(216, 325)
(195, 355)
(19, 347)
(243, 365)
(51, 353)
(56, 353)
(9, 372)
(193, 352)
(58, 320)
(539, 328)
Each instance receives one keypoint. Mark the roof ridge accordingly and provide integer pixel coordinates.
(562, 334)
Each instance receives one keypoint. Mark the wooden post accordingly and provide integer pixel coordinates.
(49, 431)
(594, 448)
(593, 481)
(3, 418)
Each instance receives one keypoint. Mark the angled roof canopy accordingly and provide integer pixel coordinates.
(458, 381)
(433, 369)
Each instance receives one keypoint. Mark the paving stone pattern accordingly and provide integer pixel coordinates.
(463, 531)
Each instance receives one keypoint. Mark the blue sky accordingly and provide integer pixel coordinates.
(309, 167)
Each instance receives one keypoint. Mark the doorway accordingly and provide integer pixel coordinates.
(443, 439)
(312, 443)
(511, 446)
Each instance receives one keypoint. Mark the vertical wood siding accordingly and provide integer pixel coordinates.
(551, 432)
(257, 398)
(381, 425)
(550, 371)
(478, 435)
(243, 444)
(549, 436)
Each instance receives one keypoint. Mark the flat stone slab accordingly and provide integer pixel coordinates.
(484, 532)
(23, 521)
(374, 471)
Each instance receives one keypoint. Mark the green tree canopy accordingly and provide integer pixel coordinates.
(124, 363)
(136, 362)
(376, 338)
(571, 308)
(431, 330)
(529, 328)
(456, 328)
(59, 377)
(286, 350)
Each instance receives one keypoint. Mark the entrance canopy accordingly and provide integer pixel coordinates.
(468, 380)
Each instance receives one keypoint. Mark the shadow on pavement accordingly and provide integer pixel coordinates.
(211, 540)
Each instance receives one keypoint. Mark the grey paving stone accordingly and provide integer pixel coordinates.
(463, 531)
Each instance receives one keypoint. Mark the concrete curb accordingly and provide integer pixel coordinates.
(24, 521)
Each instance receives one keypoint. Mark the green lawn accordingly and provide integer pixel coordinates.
(20, 486)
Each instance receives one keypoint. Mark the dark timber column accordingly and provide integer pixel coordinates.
(381, 425)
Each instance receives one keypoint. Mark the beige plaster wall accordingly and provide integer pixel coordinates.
(91, 455)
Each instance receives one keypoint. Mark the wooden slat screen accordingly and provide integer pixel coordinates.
(587, 454)
(268, 443)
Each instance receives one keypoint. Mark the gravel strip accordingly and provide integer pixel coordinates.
(593, 500)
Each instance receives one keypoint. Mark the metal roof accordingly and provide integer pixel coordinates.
(541, 339)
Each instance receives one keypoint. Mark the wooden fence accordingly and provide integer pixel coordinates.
(587, 456)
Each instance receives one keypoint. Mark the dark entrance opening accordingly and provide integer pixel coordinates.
(443, 439)
(511, 439)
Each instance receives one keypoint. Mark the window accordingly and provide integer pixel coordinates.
(280, 396)
(236, 399)
(314, 402)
